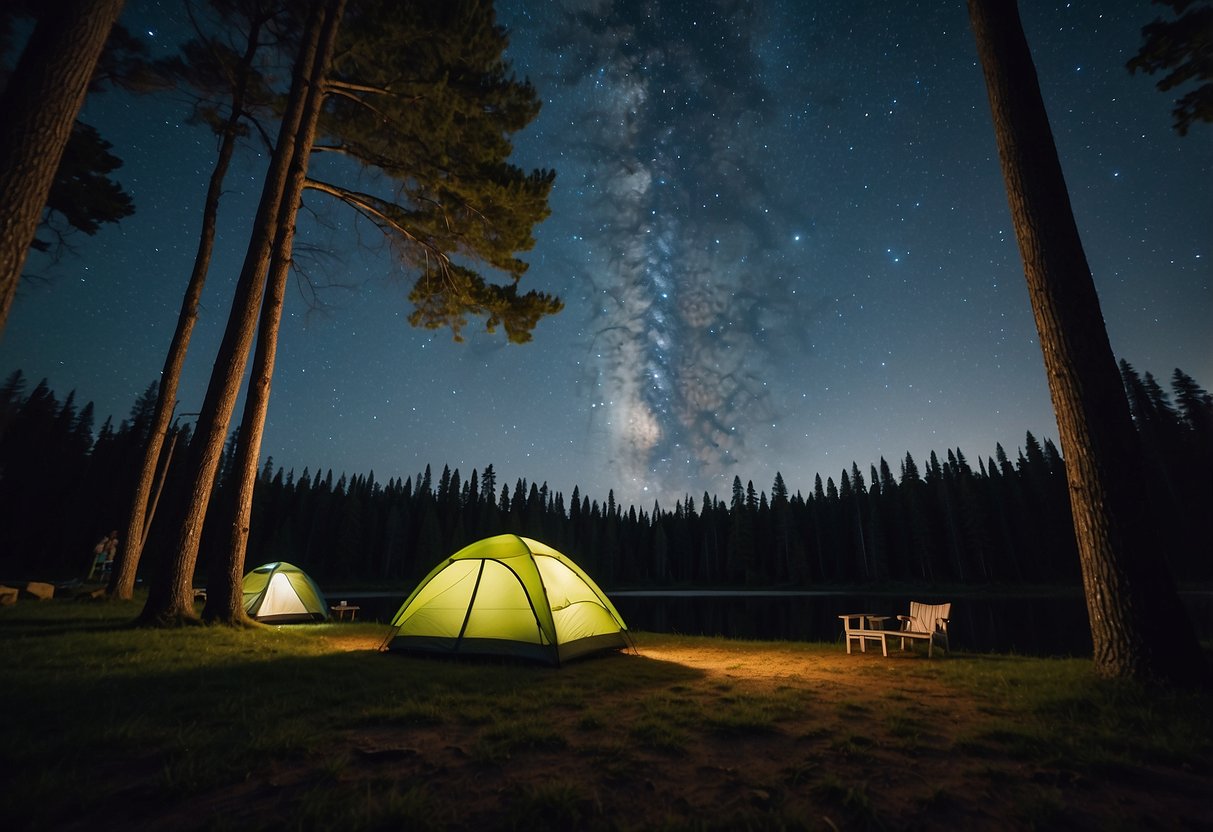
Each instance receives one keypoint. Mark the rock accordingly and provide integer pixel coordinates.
(39, 590)
(8, 596)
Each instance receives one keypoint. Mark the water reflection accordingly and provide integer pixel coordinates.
(1037, 625)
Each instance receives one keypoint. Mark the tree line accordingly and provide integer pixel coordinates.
(1002, 519)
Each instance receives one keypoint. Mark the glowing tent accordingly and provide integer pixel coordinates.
(281, 593)
(508, 596)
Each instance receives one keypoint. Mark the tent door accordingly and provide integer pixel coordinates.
(281, 598)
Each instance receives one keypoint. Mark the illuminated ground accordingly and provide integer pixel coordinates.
(778, 736)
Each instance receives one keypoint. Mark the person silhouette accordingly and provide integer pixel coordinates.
(111, 550)
(103, 556)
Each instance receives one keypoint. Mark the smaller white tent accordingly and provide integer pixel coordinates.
(281, 593)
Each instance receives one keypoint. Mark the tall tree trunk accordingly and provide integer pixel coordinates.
(39, 106)
(1137, 622)
(122, 582)
(225, 601)
(170, 600)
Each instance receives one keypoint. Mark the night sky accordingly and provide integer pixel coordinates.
(779, 229)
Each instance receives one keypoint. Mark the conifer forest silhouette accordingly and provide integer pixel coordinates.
(1002, 519)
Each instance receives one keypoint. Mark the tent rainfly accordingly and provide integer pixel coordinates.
(282, 593)
(508, 596)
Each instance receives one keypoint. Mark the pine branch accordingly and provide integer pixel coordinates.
(378, 211)
(347, 88)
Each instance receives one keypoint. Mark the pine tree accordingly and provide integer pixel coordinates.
(207, 66)
(444, 485)
(1195, 404)
(782, 533)
(921, 547)
(1181, 48)
(422, 94)
(10, 397)
(711, 558)
(1131, 602)
(82, 195)
(471, 494)
(170, 600)
(741, 544)
(488, 482)
(38, 109)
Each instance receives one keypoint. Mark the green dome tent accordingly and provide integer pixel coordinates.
(508, 596)
(282, 593)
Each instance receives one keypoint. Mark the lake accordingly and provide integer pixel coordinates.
(1053, 624)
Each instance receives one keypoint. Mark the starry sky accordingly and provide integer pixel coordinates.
(779, 229)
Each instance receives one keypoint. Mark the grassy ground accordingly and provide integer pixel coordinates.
(309, 727)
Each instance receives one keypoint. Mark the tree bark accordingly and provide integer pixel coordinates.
(170, 600)
(225, 597)
(122, 582)
(1138, 624)
(40, 104)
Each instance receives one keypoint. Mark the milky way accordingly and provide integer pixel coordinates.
(692, 303)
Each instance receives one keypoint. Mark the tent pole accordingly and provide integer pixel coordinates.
(471, 603)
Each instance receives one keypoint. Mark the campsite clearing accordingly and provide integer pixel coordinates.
(309, 726)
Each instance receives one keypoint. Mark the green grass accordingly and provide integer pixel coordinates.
(1057, 712)
(506, 738)
(102, 720)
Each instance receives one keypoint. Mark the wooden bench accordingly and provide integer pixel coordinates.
(342, 608)
(856, 626)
